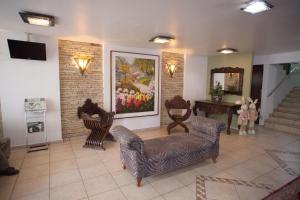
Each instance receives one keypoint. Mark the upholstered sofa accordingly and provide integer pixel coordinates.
(160, 155)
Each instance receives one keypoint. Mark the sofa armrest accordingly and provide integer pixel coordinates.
(208, 128)
(128, 139)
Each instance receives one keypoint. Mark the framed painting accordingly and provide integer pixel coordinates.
(134, 84)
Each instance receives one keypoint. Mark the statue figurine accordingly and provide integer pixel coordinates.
(243, 117)
(253, 114)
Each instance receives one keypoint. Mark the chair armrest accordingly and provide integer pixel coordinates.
(128, 139)
(208, 128)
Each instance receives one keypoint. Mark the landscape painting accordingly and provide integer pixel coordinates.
(134, 84)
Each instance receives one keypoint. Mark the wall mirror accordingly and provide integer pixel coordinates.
(230, 78)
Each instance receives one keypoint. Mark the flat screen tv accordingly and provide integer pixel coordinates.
(26, 50)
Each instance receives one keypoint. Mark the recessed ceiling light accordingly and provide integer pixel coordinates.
(227, 50)
(37, 19)
(257, 6)
(162, 39)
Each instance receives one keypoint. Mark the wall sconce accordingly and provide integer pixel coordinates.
(82, 63)
(171, 69)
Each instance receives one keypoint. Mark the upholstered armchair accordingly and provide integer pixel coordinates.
(99, 124)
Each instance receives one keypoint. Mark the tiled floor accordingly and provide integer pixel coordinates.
(68, 171)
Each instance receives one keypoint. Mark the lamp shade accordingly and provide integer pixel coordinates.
(82, 63)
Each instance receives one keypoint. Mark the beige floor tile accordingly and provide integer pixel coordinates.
(192, 187)
(166, 185)
(114, 165)
(35, 160)
(72, 191)
(84, 153)
(123, 177)
(34, 171)
(93, 171)
(4, 180)
(186, 177)
(249, 193)
(59, 166)
(242, 173)
(64, 177)
(63, 155)
(99, 184)
(6, 190)
(280, 175)
(180, 194)
(145, 192)
(34, 154)
(18, 154)
(30, 186)
(110, 195)
(88, 161)
(158, 198)
(16, 163)
(220, 191)
(44, 195)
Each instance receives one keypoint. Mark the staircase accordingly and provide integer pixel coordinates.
(286, 117)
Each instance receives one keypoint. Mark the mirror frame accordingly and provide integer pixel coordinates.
(229, 70)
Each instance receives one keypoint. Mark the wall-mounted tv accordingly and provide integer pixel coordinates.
(26, 50)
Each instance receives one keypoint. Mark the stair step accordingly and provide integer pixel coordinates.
(294, 95)
(288, 110)
(284, 121)
(286, 115)
(290, 104)
(283, 128)
(291, 99)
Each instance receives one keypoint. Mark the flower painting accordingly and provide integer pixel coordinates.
(134, 84)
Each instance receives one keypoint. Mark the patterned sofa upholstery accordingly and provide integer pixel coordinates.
(160, 155)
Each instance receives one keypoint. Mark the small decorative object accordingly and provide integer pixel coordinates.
(171, 69)
(82, 62)
(217, 93)
(253, 114)
(134, 84)
(243, 117)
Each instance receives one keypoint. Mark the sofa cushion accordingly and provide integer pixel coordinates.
(207, 128)
(127, 138)
(175, 145)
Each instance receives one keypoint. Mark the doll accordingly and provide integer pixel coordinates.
(243, 117)
(253, 114)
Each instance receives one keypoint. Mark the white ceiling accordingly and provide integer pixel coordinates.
(200, 26)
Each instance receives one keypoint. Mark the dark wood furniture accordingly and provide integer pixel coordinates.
(98, 125)
(232, 79)
(210, 107)
(180, 104)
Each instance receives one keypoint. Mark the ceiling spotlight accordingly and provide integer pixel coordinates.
(37, 19)
(227, 50)
(162, 39)
(256, 6)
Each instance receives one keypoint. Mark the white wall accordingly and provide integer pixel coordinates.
(195, 78)
(131, 123)
(20, 79)
(273, 74)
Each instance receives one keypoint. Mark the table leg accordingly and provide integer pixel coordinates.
(229, 113)
(195, 110)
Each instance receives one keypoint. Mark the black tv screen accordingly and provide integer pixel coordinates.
(27, 50)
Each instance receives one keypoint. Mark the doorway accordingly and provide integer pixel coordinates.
(256, 85)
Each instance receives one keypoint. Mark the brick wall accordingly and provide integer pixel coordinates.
(170, 86)
(75, 88)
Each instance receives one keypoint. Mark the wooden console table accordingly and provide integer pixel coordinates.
(210, 107)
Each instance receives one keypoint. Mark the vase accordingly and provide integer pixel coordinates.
(216, 99)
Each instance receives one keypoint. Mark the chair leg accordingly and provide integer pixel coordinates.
(138, 181)
(124, 166)
(184, 126)
(170, 126)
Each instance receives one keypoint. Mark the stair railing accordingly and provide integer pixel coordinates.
(293, 70)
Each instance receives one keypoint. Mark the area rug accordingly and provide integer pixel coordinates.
(202, 180)
(290, 191)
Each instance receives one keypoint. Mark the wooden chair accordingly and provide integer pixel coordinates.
(178, 103)
(98, 125)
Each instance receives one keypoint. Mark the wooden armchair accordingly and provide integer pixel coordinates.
(178, 103)
(99, 125)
